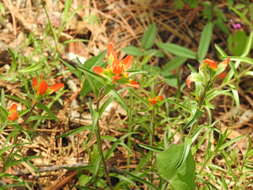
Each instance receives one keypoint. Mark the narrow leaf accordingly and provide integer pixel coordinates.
(205, 39)
(177, 50)
(148, 38)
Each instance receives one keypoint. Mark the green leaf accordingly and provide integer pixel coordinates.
(76, 131)
(40, 117)
(119, 99)
(149, 36)
(236, 97)
(174, 63)
(205, 39)
(170, 79)
(153, 52)
(242, 59)
(96, 60)
(248, 45)
(84, 179)
(132, 50)
(181, 177)
(237, 42)
(3, 114)
(177, 50)
(47, 110)
(32, 68)
(220, 51)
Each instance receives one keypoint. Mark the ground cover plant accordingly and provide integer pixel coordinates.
(126, 95)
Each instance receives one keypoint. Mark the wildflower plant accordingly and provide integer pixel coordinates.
(162, 133)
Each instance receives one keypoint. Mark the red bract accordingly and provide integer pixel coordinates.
(214, 65)
(56, 87)
(98, 69)
(211, 63)
(42, 87)
(155, 99)
(13, 113)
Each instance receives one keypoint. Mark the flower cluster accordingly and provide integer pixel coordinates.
(116, 69)
(41, 87)
(217, 68)
(156, 99)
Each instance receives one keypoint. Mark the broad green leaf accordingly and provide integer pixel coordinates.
(174, 63)
(178, 176)
(177, 50)
(84, 179)
(153, 52)
(205, 39)
(132, 50)
(170, 79)
(237, 42)
(96, 60)
(149, 36)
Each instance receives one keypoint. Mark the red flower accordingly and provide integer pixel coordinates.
(222, 75)
(116, 68)
(98, 69)
(155, 99)
(13, 113)
(211, 63)
(56, 87)
(42, 87)
(127, 61)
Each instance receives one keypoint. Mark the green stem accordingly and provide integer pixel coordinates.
(151, 139)
(100, 149)
(99, 143)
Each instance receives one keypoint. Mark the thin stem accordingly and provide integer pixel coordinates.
(99, 143)
(151, 139)
(100, 149)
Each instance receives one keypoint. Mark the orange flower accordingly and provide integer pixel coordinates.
(116, 68)
(56, 87)
(211, 63)
(98, 69)
(110, 52)
(13, 113)
(222, 75)
(127, 61)
(42, 86)
(155, 99)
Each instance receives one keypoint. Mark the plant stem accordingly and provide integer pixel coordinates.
(151, 139)
(99, 143)
(100, 149)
